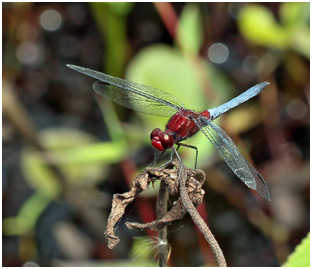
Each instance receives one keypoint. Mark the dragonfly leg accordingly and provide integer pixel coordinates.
(179, 158)
(170, 159)
(189, 146)
(157, 156)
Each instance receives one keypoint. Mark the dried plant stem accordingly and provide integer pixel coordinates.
(199, 221)
(182, 180)
(161, 210)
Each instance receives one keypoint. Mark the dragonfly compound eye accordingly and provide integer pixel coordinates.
(155, 137)
(155, 132)
(166, 140)
(161, 140)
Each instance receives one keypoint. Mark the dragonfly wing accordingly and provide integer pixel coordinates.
(136, 100)
(133, 95)
(229, 152)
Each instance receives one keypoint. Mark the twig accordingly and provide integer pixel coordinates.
(199, 221)
(161, 210)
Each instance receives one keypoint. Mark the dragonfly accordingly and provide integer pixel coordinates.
(183, 123)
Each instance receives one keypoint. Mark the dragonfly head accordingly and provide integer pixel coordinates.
(161, 140)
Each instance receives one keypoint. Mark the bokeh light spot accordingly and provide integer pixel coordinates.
(28, 53)
(50, 20)
(218, 53)
(296, 109)
(252, 66)
(30, 264)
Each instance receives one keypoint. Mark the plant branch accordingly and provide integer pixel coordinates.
(199, 221)
(161, 210)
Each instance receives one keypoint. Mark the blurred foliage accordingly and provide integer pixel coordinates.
(111, 19)
(258, 25)
(63, 141)
(267, 41)
(105, 152)
(27, 217)
(301, 256)
(189, 31)
(144, 251)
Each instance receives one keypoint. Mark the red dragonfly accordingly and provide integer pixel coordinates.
(183, 122)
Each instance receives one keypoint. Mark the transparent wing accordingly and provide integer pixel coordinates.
(132, 95)
(229, 152)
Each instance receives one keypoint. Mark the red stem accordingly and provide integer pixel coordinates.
(168, 16)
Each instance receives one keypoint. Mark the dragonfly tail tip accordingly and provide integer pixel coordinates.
(263, 85)
(70, 66)
(76, 67)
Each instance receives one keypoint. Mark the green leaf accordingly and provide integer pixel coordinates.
(38, 175)
(294, 13)
(296, 18)
(144, 250)
(165, 68)
(301, 41)
(105, 152)
(301, 256)
(27, 216)
(67, 148)
(189, 32)
(120, 8)
(258, 25)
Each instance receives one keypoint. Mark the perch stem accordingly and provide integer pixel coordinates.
(203, 227)
(161, 210)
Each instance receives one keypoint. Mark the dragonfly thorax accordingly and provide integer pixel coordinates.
(180, 126)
